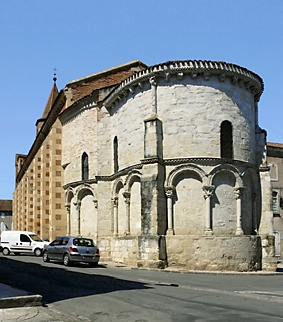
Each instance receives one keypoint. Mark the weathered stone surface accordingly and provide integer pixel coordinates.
(173, 167)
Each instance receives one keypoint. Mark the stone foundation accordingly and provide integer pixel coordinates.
(210, 253)
(233, 253)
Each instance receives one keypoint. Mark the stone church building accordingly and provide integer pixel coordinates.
(162, 166)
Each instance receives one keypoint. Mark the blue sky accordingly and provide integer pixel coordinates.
(79, 38)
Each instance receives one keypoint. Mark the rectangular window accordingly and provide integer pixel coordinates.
(275, 202)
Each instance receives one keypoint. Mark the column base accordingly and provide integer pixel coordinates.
(170, 232)
(208, 232)
(239, 232)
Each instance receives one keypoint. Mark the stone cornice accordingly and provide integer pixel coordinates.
(119, 173)
(77, 108)
(78, 183)
(238, 75)
(172, 162)
(208, 161)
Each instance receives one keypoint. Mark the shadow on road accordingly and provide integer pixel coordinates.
(58, 283)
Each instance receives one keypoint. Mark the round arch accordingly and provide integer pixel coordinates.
(118, 184)
(83, 190)
(69, 195)
(229, 168)
(131, 177)
(186, 168)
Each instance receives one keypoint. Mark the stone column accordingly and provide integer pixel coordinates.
(152, 179)
(254, 212)
(169, 191)
(208, 193)
(153, 84)
(115, 216)
(127, 196)
(78, 216)
(68, 219)
(238, 195)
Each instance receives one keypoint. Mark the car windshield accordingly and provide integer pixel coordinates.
(83, 242)
(35, 238)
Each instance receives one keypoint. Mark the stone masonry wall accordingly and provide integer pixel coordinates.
(192, 112)
(238, 253)
(79, 136)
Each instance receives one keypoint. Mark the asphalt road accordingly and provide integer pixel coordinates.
(109, 293)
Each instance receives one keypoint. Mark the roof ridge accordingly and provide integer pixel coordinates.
(51, 99)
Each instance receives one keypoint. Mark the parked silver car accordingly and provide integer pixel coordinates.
(72, 249)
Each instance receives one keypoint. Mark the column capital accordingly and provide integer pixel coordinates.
(208, 191)
(169, 191)
(115, 201)
(153, 81)
(127, 196)
(238, 192)
(77, 204)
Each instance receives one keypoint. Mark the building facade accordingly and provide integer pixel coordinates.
(165, 165)
(275, 163)
(37, 199)
(6, 215)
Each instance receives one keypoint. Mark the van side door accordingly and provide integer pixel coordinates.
(25, 244)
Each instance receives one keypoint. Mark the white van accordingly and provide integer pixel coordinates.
(21, 242)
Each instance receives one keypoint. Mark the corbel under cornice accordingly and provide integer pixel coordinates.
(195, 68)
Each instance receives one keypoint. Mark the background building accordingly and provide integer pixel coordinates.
(5, 215)
(275, 162)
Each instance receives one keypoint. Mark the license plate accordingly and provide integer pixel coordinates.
(88, 257)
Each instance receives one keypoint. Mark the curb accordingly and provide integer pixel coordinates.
(258, 273)
(21, 301)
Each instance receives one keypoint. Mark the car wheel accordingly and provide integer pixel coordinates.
(66, 260)
(37, 252)
(6, 251)
(45, 257)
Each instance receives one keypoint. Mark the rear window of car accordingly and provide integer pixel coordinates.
(83, 242)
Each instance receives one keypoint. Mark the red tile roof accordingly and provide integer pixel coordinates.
(6, 205)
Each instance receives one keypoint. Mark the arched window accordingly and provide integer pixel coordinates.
(226, 140)
(115, 152)
(85, 166)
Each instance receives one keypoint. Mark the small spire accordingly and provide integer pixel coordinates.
(55, 78)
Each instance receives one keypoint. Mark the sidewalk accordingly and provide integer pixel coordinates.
(18, 305)
(12, 297)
